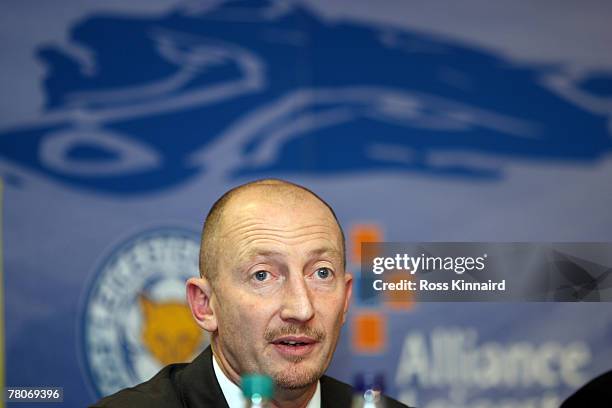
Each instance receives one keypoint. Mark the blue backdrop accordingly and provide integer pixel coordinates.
(121, 124)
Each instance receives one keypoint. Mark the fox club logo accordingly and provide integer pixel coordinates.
(253, 88)
(135, 319)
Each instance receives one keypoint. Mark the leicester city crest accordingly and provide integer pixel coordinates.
(135, 318)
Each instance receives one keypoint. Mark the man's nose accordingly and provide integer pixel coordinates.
(297, 302)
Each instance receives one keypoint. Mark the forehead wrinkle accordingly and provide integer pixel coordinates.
(325, 250)
(263, 225)
(304, 238)
(248, 239)
(254, 251)
(283, 234)
(229, 226)
(259, 246)
(238, 235)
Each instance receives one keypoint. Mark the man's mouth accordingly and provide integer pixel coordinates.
(294, 346)
(294, 341)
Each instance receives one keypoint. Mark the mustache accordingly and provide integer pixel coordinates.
(294, 330)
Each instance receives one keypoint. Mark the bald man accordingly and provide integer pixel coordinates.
(273, 293)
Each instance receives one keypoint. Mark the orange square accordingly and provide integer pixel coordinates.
(399, 299)
(369, 333)
(361, 233)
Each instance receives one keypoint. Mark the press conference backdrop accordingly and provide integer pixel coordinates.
(121, 122)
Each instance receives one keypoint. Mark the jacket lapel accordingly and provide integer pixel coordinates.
(198, 386)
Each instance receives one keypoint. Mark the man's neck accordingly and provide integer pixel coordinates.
(284, 398)
(298, 398)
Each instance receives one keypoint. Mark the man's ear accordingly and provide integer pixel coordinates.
(199, 296)
(348, 279)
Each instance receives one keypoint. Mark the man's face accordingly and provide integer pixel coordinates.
(281, 292)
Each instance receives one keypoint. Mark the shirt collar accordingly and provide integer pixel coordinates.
(233, 394)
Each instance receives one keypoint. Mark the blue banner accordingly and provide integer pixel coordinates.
(122, 123)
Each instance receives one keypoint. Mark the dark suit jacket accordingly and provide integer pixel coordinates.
(194, 385)
(597, 393)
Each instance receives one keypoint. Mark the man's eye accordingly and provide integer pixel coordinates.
(261, 275)
(323, 273)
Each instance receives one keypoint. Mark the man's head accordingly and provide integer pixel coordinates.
(273, 290)
(212, 233)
